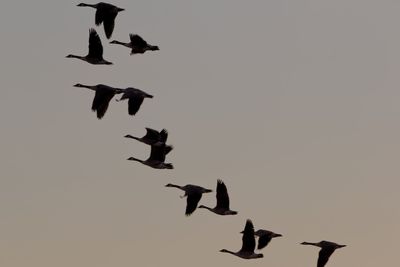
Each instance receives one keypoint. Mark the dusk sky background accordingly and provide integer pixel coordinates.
(293, 104)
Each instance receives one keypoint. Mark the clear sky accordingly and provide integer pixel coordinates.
(294, 104)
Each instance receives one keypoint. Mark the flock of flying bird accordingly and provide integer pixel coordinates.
(106, 14)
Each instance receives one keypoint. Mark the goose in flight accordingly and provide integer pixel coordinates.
(264, 237)
(95, 54)
(156, 159)
(137, 44)
(102, 97)
(135, 99)
(248, 244)
(193, 193)
(327, 248)
(106, 14)
(222, 207)
(151, 137)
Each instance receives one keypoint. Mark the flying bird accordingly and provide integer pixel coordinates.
(222, 207)
(193, 194)
(135, 99)
(248, 244)
(102, 97)
(151, 137)
(137, 44)
(156, 159)
(106, 14)
(95, 54)
(327, 248)
(264, 237)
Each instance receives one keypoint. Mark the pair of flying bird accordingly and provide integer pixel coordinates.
(106, 14)
(104, 94)
(249, 245)
(159, 148)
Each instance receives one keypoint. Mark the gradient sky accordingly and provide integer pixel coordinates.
(294, 104)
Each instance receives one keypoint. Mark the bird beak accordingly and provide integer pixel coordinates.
(277, 235)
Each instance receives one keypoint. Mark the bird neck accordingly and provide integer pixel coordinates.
(135, 159)
(228, 251)
(133, 137)
(120, 43)
(310, 243)
(91, 87)
(89, 5)
(78, 57)
(174, 185)
(205, 207)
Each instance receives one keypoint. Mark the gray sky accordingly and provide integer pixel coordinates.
(294, 104)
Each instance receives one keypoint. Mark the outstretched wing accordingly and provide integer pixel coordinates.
(95, 46)
(109, 22)
(163, 135)
(222, 195)
(134, 103)
(137, 41)
(101, 101)
(157, 152)
(151, 134)
(263, 241)
(99, 17)
(324, 255)
(248, 239)
(192, 201)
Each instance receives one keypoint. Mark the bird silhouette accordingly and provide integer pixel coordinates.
(156, 159)
(327, 248)
(248, 244)
(95, 54)
(222, 207)
(193, 194)
(106, 14)
(137, 44)
(102, 97)
(151, 137)
(264, 237)
(135, 99)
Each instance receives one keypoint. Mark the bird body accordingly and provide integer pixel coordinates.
(137, 44)
(248, 244)
(222, 207)
(193, 194)
(102, 98)
(327, 249)
(106, 14)
(264, 237)
(95, 54)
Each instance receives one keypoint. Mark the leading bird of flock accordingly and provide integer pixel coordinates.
(102, 97)
(248, 244)
(95, 54)
(327, 248)
(222, 207)
(106, 14)
(137, 44)
(193, 194)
